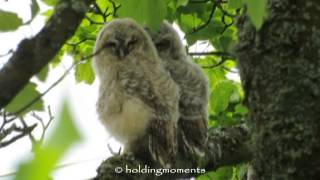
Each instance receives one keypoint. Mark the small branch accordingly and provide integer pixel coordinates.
(230, 70)
(6, 54)
(215, 65)
(195, 1)
(55, 83)
(114, 7)
(80, 42)
(35, 53)
(5, 119)
(226, 13)
(214, 6)
(93, 22)
(99, 11)
(112, 151)
(33, 140)
(212, 53)
(43, 125)
(23, 131)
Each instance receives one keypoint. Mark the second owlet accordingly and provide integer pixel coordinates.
(138, 100)
(193, 84)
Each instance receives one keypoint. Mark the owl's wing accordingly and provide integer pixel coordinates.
(162, 142)
(193, 134)
(161, 130)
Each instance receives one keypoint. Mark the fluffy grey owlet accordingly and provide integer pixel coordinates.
(138, 100)
(192, 123)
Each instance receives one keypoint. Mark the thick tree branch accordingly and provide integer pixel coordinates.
(225, 146)
(33, 54)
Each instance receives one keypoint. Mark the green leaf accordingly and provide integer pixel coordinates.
(226, 43)
(47, 14)
(84, 73)
(146, 12)
(257, 11)
(42, 75)
(24, 97)
(221, 95)
(182, 3)
(63, 137)
(9, 21)
(223, 173)
(50, 2)
(57, 58)
(199, 10)
(34, 10)
(235, 4)
(65, 130)
(241, 109)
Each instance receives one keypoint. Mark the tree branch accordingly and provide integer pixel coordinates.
(212, 53)
(34, 53)
(225, 146)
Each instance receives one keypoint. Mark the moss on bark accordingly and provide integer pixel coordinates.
(280, 70)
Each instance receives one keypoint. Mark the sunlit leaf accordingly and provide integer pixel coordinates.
(234, 4)
(257, 11)
(42, 75)
(47, 14)
(63, 137)
(24, 97)
(226, 43)
(241, 109)
(146, 12)
(223, 173)
(182, 3)
(9, 21)
(34, 10)
(50, 2)
(220, 96)
(200, 10)
(84, 73)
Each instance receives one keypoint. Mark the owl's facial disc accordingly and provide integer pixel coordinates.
(163, 45)
(120, 47)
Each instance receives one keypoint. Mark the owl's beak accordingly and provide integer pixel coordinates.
(122, 51)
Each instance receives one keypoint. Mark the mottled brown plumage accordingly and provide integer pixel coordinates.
(193, 85)
(138, 101)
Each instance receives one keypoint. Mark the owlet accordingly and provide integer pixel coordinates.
(138, 100)
(193, 84)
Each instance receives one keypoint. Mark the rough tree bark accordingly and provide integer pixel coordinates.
(280, 70)
(33, 54)
(226, 146)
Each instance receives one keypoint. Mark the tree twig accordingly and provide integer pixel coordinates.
(23, 132)
(212, 53)
(215, 65)
(199, 1)
(39, 50)
(214, 6)
(18, 112)
(6, 54)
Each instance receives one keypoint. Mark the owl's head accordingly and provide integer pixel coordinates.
(121, 37)
(167, 42)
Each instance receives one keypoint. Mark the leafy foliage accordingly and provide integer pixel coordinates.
(25, 97)
(257, 11)
(9, 21)
(223, 173)
(45, 158)
(200, 20)
(144, 12)
(34, 10)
